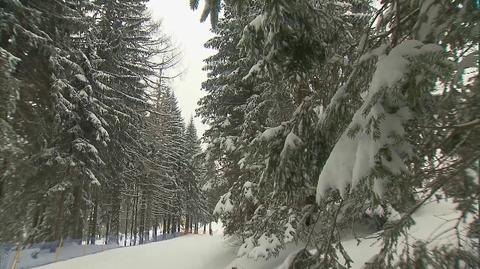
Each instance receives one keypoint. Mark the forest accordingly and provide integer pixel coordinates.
(92, 140)
(326, 120)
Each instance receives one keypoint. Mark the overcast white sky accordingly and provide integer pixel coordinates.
(184, 26)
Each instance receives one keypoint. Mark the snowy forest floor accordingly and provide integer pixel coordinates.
(434, 219)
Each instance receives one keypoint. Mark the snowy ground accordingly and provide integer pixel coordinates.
(213, 252)
(185, 252)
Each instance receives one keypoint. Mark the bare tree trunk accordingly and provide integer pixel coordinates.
(107, 227)
(164, 224)
(93, 221)
(86, 222)
(148, 217)
(141, 228)
(135, 218)
(60, 214)
(76, 231)
(89, 233)
(155, 231)
(115, 211)
(4, 168)
(478, 181)
(187, 224)
(36, 220)
(132, 226)
(168, 224)
(126, 222)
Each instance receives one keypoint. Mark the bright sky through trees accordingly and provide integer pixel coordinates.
(184, 26)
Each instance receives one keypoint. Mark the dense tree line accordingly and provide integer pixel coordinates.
(92, 143)
(321, 111)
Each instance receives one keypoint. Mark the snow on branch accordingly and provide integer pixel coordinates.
(375, 136)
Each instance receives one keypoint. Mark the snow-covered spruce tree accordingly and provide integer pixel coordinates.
(76, 76)
(395, 143)
(196, 204)
(167, 161)
(179, 152)
(60, 139)
(10, 149)
(224, 107)
(397, 75)
(294, 150)
(174, 148)
(269, 179)
(160, 185)
(123, 51)
(13, 184)
(11, 146)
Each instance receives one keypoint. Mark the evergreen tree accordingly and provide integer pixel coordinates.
(124, 47)
(195, 200)
(380, 108)
(76, 145)
(271, 157)
(59, 141)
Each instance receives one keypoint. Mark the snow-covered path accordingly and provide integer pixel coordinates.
(434, 219)
(186, 252)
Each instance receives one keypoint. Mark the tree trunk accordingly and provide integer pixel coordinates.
(60, 214)
(132, 226)
(168, 224)
(478, 181)
(155, 231)
(37, 220)
(4, 168)
(126, 222)
(210, 228)
(93, 221)
(107, 227)
(89, 233)
(135, 219)
(164, 224)
(76, 231)
(141, 228)
(148, 218)
(86, 221)
(187, 224)
(115, 218)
